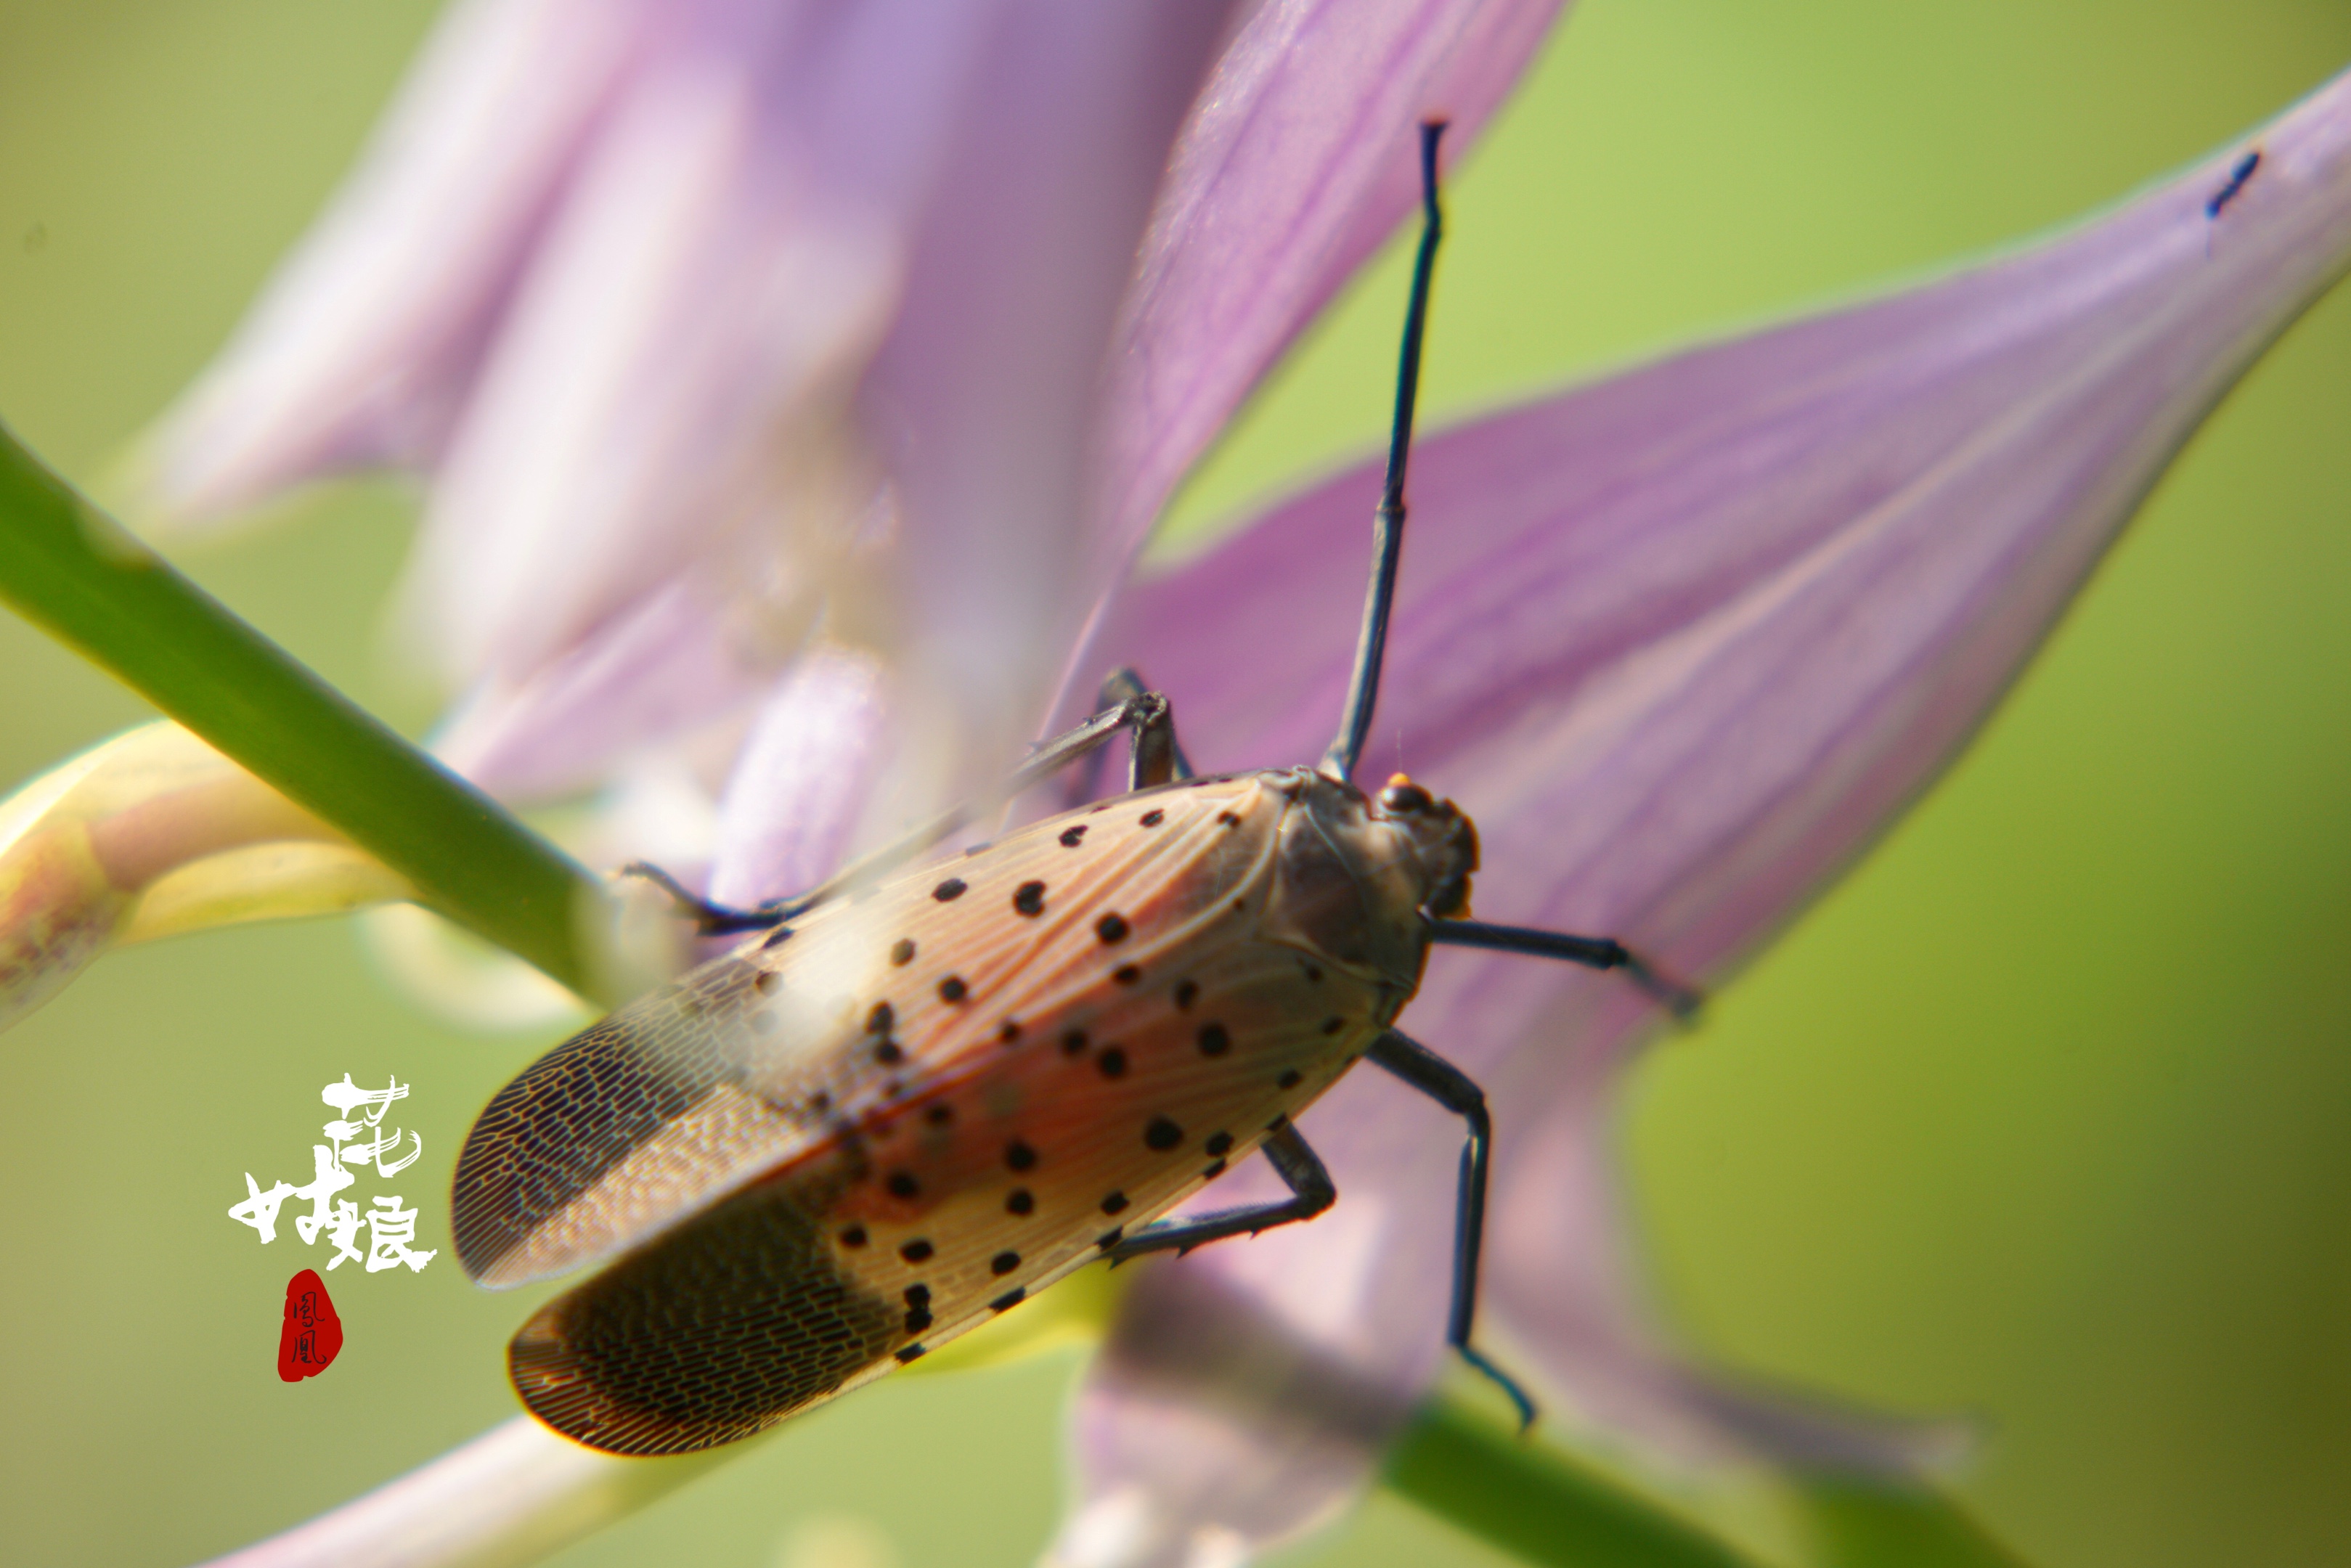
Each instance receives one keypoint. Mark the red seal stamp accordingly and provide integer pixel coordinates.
(311, 1334)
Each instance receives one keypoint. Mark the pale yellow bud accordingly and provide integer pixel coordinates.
(151, 834)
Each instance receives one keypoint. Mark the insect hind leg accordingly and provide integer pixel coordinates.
(1450, 1087)
(1300, 1169)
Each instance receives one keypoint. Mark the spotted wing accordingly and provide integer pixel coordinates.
(637, 1121)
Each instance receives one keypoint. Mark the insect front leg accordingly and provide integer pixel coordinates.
(1156, 756)
(1299, 1166)
(1140, 713)
(1126, 706)
(1450, 1087)
(709, 919)
(1591, 952)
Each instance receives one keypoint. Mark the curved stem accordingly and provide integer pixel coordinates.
(1543, 1507)
(76, 573)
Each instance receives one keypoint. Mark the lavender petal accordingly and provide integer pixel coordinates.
(1296, 164)
(1691, 637)
(803, 778)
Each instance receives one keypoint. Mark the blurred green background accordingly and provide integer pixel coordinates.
(2045, 1115)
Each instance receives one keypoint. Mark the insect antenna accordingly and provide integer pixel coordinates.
(1387, 526)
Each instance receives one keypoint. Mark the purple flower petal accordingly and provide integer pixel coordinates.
(748, 288)
(984, 403)
(803, 778)
(1295, 166)
(672, 662)
(713, 279)
(1685, 641)
(362, 348)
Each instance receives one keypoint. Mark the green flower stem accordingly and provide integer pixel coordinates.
(77, 573)
(1541, 1505)
(1856, 1525)
(1537, 1503)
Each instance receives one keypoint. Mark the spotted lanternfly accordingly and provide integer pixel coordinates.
(922, 1095)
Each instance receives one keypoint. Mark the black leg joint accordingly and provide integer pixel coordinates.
(1153, 757)
(1311, 1192)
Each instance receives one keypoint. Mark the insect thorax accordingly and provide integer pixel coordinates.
(1354, 875)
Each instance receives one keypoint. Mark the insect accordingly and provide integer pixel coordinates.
(2236, 182)
(929, 1090)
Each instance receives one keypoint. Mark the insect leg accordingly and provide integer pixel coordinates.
(1387, 522)
(709, 919)
(1157, 757)
(1139, 714)
(1451, 1088)
(1299, 1166)
(1593, 952)
(1129, 708)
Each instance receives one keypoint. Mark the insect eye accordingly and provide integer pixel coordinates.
(1403, 795)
